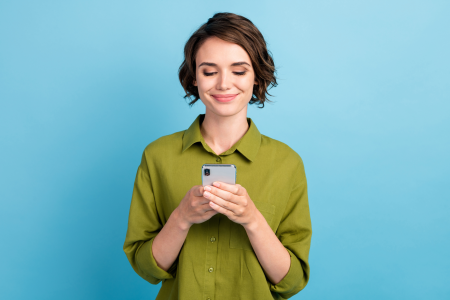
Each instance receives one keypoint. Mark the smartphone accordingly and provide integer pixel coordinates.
(218, 172)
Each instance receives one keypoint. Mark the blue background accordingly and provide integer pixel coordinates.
(363, 97)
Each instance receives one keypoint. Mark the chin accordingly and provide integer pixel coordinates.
(227, 111)
(224, 109)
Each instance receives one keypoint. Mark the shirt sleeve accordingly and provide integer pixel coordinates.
(143, 226)
(294, 232)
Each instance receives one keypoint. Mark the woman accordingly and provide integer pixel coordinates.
(245, 241)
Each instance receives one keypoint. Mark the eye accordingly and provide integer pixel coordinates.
(240, 73)
(208, 74)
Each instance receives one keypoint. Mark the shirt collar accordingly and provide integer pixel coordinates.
(248, 145)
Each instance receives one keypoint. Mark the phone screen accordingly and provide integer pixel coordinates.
(218, 172)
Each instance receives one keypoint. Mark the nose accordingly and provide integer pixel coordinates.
(223, 81)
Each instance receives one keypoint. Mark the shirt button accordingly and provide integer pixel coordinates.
(213, 239)
(210, 270)
(208, 298)
(218, 159)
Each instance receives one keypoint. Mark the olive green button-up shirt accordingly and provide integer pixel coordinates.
(217, 260)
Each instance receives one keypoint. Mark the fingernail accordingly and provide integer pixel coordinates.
(206, 194)
(216, 184)
(208, 188)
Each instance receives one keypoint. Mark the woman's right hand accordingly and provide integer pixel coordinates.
(194, 208)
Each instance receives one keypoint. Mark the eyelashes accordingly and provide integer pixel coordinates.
(237, 73)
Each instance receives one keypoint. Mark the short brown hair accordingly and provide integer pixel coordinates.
(238, 30)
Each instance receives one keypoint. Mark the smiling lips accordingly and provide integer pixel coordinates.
(225, 97)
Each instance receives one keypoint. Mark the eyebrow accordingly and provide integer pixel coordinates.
(239, 63)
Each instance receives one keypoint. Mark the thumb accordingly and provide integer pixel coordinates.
(199, 190)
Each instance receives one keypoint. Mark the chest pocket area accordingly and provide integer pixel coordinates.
(238, 235)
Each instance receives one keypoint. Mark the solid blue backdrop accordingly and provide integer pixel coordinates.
(363, 97)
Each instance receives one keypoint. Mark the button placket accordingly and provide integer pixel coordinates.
(211, 257)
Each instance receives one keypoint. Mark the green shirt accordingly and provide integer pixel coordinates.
(217, 260)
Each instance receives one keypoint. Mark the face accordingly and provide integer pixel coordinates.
(224, 77)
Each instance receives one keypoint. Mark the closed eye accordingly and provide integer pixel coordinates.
(237, 73)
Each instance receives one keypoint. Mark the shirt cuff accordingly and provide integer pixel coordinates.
(148, 265)
(291, 284)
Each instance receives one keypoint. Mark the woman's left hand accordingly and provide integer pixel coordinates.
(233, 201)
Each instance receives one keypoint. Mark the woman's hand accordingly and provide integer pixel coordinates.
(233, 201)
(194, 208)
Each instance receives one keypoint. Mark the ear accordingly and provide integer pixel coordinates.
(256, 83)
(195, 83)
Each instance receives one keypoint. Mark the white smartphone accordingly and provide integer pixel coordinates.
(218, 172)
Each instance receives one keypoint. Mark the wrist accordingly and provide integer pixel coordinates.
(180, 222)
(255, 223)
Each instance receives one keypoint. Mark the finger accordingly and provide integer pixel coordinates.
(206, 207)
(220, 209)
(198, 191)
(212, 213)
(236, 189)
(230, 206)
(226, 195)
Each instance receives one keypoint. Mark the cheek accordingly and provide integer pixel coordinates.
(245, 84)
(205, 84)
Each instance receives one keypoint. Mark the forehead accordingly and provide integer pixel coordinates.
(221, 52)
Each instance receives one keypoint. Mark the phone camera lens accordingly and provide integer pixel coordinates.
(206, 172)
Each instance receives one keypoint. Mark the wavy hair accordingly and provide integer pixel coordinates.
(238, 30)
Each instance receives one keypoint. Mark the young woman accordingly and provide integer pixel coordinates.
(245, 241)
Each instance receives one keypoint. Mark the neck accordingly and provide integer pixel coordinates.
(222, 132)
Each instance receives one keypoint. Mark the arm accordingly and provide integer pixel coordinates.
(146, 229)
(284, 255)
(272, 255)
(168, 242)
